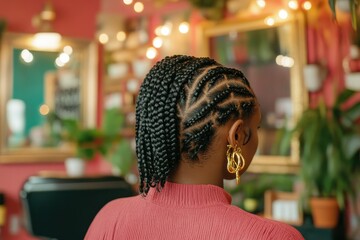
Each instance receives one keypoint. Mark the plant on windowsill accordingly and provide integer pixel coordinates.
(329, 151)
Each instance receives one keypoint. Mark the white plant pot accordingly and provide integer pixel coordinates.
(352, 81)
(75, 167)
(313, 77)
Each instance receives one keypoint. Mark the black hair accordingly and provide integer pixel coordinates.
(181, 102)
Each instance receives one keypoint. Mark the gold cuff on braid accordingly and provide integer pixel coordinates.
(235, 161)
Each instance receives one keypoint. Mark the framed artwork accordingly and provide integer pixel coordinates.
(284, 207)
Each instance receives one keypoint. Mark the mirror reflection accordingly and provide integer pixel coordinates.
(42, 82)
(39, 87)
(271, 57)
(264, 58)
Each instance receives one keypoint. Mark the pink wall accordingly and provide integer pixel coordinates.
(74, 19)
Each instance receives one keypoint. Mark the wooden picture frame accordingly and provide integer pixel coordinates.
(284, 207)
(231, 43)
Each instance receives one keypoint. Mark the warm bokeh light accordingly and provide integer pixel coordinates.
(151, 53)
(121, 36)
(26, 56)
(261, 3)
(138, 7)
(166, 29)
(44, 109)
(293, 4)
(158, 30)
(307, 5)
(68, 50)
(64, 57)
(269, 21)
(46, 40)
(184, 27)
(127, 2)
(157, 42)
(283, 14)
(103, 38)
(58, 62)
(284, 61)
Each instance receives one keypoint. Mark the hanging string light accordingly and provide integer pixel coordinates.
(270, 21)
(138, 7)
(307, 5)
(166, 28)
(283, 14)
(261, 3)
(293, 4)
(128, 2)
(103, 38)
(121, 36)
(157, 42)
(184, 27)
(151, 53)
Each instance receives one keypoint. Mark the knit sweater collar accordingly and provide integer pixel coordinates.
(189, 195)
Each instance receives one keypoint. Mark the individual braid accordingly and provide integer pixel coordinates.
(184, 97)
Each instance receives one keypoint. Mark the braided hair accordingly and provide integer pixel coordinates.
(181, 102)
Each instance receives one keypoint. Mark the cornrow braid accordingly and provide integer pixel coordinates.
(187, 98)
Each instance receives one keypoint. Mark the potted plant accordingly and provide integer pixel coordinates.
(87, 142)
(329, 150)
(210, 9)
(116, 150)
(105, 141)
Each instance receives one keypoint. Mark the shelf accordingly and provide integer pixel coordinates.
(128, 55)
(121, 83)
(128, 109)
(125, 78)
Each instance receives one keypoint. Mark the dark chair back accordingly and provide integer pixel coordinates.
(63, 208)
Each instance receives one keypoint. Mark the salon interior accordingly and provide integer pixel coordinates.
(70, 72)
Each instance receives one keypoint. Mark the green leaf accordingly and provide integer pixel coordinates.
(353, 10)
(71, 129)
(351, 145)
(340, 197)
(332, 4)
(282, 142)
(113, 121)
(353, 113)
(206, 3)
(122, 157)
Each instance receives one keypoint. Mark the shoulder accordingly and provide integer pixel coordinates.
(106, 219)
(118, 205)
(262, 227)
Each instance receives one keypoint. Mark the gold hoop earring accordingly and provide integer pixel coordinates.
(235, 161)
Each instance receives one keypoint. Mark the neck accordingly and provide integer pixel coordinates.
(211, 166)
(197, 173)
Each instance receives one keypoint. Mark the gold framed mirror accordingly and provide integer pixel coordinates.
(37, 82)
(271, 53)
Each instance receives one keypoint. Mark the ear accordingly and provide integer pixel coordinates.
(236, 133)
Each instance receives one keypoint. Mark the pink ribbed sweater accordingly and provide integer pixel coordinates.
(182, 211)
